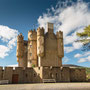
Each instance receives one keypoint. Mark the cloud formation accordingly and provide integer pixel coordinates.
(66, 59)
(8, 38)
(70, 19)
(85, 57)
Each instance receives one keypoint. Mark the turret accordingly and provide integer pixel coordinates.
(32, 35)
(40, 42)
(19, 45)
(32, 48)
(60, 44)
(20, 50)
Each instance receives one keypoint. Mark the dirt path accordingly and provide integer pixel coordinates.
(47, 86)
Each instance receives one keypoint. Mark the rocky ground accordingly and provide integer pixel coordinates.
(47, 86)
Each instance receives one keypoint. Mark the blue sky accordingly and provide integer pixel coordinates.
(18, 16)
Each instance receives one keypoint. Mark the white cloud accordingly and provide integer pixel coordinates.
(77, 45)
(88, 58)
(65, 59)
(74, 46)
(8, 37)
(3, 51)
(68, 49)
(82, 60)
(7, 33)
(69, 19)
(85, 57)
(77, 55)
(82, 55)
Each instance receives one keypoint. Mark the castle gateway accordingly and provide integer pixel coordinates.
(40, 59)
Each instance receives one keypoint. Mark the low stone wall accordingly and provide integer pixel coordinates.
(17, 74)
(37, 74)
(77, 75)
(65, 74)
(52, 73)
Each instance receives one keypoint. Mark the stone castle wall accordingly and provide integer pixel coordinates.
(44, 52)
(77, 74)
(37, 74)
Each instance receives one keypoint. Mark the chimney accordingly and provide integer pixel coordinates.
(50, 27)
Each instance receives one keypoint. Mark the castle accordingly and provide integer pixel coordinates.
(40, 58)
(40, 49)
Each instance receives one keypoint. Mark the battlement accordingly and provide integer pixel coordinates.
(20, 37)
(59, 34)
(32, 35)
(37, 74)
(40, 31)
(32, 31)
(15, 68)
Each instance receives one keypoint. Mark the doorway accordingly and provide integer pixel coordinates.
(15, 78)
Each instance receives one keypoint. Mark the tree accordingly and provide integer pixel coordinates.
(85, 38)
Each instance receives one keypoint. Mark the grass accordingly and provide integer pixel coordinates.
(88, 73)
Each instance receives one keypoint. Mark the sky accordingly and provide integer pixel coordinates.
(20, 16)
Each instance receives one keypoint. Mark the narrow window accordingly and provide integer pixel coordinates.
(34, 75)
(31, 35)
(30, 46)
(26, 75)
(39, 68)
(50, 75)
(56, 75)
(30, 54)
(30, 61)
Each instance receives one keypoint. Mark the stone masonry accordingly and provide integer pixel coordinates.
(39, 58)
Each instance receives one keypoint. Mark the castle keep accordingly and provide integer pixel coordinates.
(40, 58)
(41, 49)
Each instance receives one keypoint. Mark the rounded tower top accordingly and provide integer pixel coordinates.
(59, 34)
(40, 31)
(20, 37)
(32, 35)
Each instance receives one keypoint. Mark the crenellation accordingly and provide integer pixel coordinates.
(60, 45)
(40, 31)
(32, 35)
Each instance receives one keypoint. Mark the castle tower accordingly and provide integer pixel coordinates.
(50, 28)
(60, 46)
(20, 51)
(32, 48)
(40, 44)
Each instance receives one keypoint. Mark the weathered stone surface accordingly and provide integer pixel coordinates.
(43, 52)
(77, 75)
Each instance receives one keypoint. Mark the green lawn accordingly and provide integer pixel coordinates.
(88, 73)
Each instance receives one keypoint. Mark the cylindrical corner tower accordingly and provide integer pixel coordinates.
(40, 44)
(60, 47)
(32, 49)
(20, 50)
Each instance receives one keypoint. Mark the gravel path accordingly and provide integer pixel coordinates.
(47, 86)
